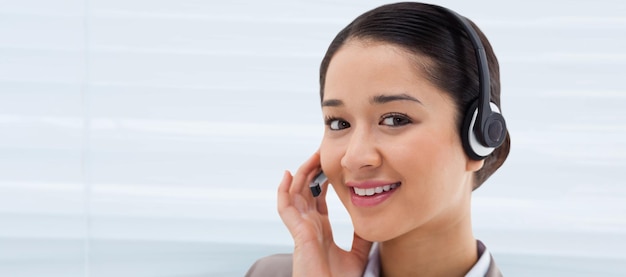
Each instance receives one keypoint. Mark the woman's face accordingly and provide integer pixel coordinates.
(390, 148)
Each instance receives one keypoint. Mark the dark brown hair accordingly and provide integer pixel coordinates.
(432, 32)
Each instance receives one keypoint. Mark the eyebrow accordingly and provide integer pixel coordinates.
(378, 99)
(332, 103)
(382, 99)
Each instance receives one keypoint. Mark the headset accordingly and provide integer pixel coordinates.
(484, 128)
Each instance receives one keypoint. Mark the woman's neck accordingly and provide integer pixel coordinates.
(450, 251)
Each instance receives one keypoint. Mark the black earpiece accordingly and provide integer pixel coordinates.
(484, 128)
(316, 184)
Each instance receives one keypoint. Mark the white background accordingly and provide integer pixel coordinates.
(146, 138)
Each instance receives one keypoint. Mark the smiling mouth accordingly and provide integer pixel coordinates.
(376, 190)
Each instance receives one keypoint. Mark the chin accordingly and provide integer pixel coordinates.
(373, 232)
(375, 236)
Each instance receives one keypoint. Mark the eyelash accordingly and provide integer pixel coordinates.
(329, 120)
(402, 116)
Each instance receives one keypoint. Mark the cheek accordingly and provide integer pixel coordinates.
(433, 156)
(443, 168)
(330, 159)
(331, 153)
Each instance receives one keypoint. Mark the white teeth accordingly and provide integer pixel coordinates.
(372, 191)
(359, 191)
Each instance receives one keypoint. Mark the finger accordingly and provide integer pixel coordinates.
(283, 199)
(322, 207)
(285, 183)
(286, 200)
(361, 247)
(289, 214)
(305, 174)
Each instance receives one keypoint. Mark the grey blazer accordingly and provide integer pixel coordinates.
(279, 265)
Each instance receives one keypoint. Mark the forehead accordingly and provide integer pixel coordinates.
(375, 67)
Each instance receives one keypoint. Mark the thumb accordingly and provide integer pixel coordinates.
(361, 247)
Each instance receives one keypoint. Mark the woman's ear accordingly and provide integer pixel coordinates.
(474, 165)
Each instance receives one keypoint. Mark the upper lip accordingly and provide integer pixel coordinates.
(370, 184)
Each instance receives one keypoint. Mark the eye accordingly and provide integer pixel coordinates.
(337, 124)
(395, 120)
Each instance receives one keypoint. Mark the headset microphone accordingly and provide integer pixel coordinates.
(316, 184)
(484, 128)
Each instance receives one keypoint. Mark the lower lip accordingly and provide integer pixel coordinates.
(370, 201)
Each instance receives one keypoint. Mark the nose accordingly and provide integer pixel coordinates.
(361, 152)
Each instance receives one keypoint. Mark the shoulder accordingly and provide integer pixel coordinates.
(280, 265)
(275, 265)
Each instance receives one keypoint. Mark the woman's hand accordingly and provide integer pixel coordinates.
(306, 217)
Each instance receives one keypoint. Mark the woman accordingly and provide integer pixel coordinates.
(400, 89)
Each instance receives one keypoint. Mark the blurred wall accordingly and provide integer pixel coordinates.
(146, 138)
